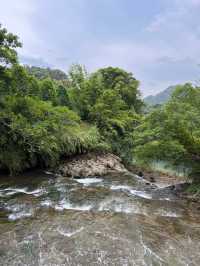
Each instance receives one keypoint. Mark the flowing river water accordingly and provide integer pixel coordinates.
(114, 220)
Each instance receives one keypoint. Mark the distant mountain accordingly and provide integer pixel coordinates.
(161, 97)
(42, 73)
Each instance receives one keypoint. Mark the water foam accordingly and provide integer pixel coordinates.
(166, 213)
(138, 193)
(120, 187)
(70, 234)
(12, 191)
(19, 215)
(65, 205)
(88, 181)
(46, 203)
(116, 205)
(141, 194)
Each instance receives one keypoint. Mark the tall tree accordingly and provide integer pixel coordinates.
(8, 44)
(172, 132)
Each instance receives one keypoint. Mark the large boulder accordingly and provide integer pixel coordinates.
(91, 165)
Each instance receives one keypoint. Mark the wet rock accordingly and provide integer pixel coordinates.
(173, 190)
(78, 177)
(92, 165)
(173, 187)
(140, 174)
(181, 187)
(152, 179)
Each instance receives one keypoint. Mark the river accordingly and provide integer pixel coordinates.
(114, 220)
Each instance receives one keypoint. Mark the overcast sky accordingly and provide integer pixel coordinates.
(157, 40)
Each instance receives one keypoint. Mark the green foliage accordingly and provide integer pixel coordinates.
(33, 132)
(22, 83)
(62, 96)
(8, 44)
(124, 83)
(46, 114)
(43, 73)
(48, 90)
(77, 82)
(172, 132)
(37, 127)
(194, 189)
(108, 98)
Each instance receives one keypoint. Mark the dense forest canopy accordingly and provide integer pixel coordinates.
(48, 114)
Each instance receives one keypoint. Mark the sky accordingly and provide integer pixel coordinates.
(157, 40)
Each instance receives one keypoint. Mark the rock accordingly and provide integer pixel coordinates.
(140, 174)
(181, 187)
(172, 190)
(92, 165)
(152, 179)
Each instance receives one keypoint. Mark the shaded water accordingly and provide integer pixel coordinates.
(115, 220)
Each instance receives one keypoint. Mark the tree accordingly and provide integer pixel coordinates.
(110, 99)
(48, 90)
(8, 44)
(124, 83)
(8, 57)
(62, 97)
(172, 132)
(77, 74)
(34, 132)
(22, 83)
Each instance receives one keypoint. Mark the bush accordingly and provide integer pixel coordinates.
(35, 132)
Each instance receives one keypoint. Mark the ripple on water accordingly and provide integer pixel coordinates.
(88, 181)
(12, 191)
(66, 205)
(141, 194)
(19, 215)
(69, 233)
(138, 193)
(120, 205)
(120, 187)
(18, 211)
(46, 203)
(167, 213)
(116, 205)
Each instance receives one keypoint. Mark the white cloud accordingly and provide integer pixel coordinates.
(178, 28)
(164, 53)
(188, 3)
(17, 16)
(170, 19)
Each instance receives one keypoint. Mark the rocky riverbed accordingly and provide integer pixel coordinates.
(116, 219)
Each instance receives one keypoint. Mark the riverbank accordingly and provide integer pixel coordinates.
(182, 186)
(160, 178)
(101, 164)
(96, 164)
